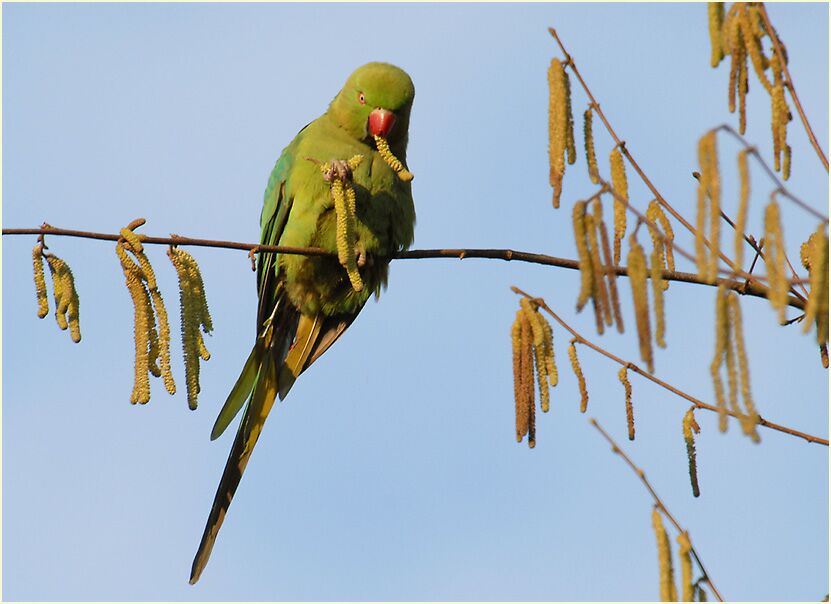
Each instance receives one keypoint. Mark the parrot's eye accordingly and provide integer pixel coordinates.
(361, 98)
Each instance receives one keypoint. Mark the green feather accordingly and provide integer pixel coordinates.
(240, 393)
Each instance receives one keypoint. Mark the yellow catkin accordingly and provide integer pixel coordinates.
(557, 125)
(776, 110)
(714, 189)
(708, 187)
(779, 113)
(198, 288)
(600, 296)
(623, 376)
(343, 195)
(730, 365)
(730, 41)
(40, 281)
(137, 248)
(684, 550)
(602, 263)
(786, 163)
(530, 312)
(137, 280)
(715, 19)
(655, 214)
(750, 418)
(540, 355)
(612, 276)
(391, 160)
(578, 219)
(775, 260)
(61, 294)
(742, 83)
(204, 354)
(346, 236)
(666, 580)
(588, 140)
(190, 319)
(527, 372)
(741, 216)
(757, 23)
(532, 426)
(636, 259)
(805, 251)
(581, 381)
(73, 310)
(814, 254)
(133, 239)
(153, 355)
(621, 195)
(164, 340)
(550, 363)
(656, 276)
(571, 152)
(67, 304)
(753, 45)
(141, 329)
(537, 323)
(194, 314)
(690, 426)
(722, 328)
(516, 348)
(157, 314)
(702, 595)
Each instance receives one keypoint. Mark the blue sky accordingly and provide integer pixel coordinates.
(391, 472)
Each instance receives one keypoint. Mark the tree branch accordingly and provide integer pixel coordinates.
(754, 289)
(642, 475)
(696, 402)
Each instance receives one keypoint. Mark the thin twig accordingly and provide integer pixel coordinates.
(777, 46)
(754, 289)
(759, 254)
(698, 403)
(642, 475)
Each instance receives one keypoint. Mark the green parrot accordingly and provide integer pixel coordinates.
(306, 302)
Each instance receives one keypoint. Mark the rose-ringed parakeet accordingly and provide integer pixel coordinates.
(306, 302)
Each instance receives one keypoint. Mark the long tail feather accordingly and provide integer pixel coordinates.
(288, 345)
(250, 427)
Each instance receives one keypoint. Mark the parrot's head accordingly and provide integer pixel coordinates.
(376, 100)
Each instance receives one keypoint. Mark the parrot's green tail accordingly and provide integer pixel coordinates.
(289, 341)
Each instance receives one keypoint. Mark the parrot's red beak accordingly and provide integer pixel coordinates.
(381, 122)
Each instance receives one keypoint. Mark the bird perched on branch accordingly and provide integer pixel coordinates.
(341, 185)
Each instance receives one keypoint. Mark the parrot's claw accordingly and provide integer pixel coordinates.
(361, 253)
(338, 169)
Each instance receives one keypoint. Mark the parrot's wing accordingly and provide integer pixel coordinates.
(275, 215)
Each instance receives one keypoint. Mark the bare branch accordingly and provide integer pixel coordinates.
(754, 289)
(642, 475)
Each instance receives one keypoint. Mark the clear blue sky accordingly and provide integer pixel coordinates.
(391, 472)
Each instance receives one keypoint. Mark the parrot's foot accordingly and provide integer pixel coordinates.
(338, 168)
(360, 252)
